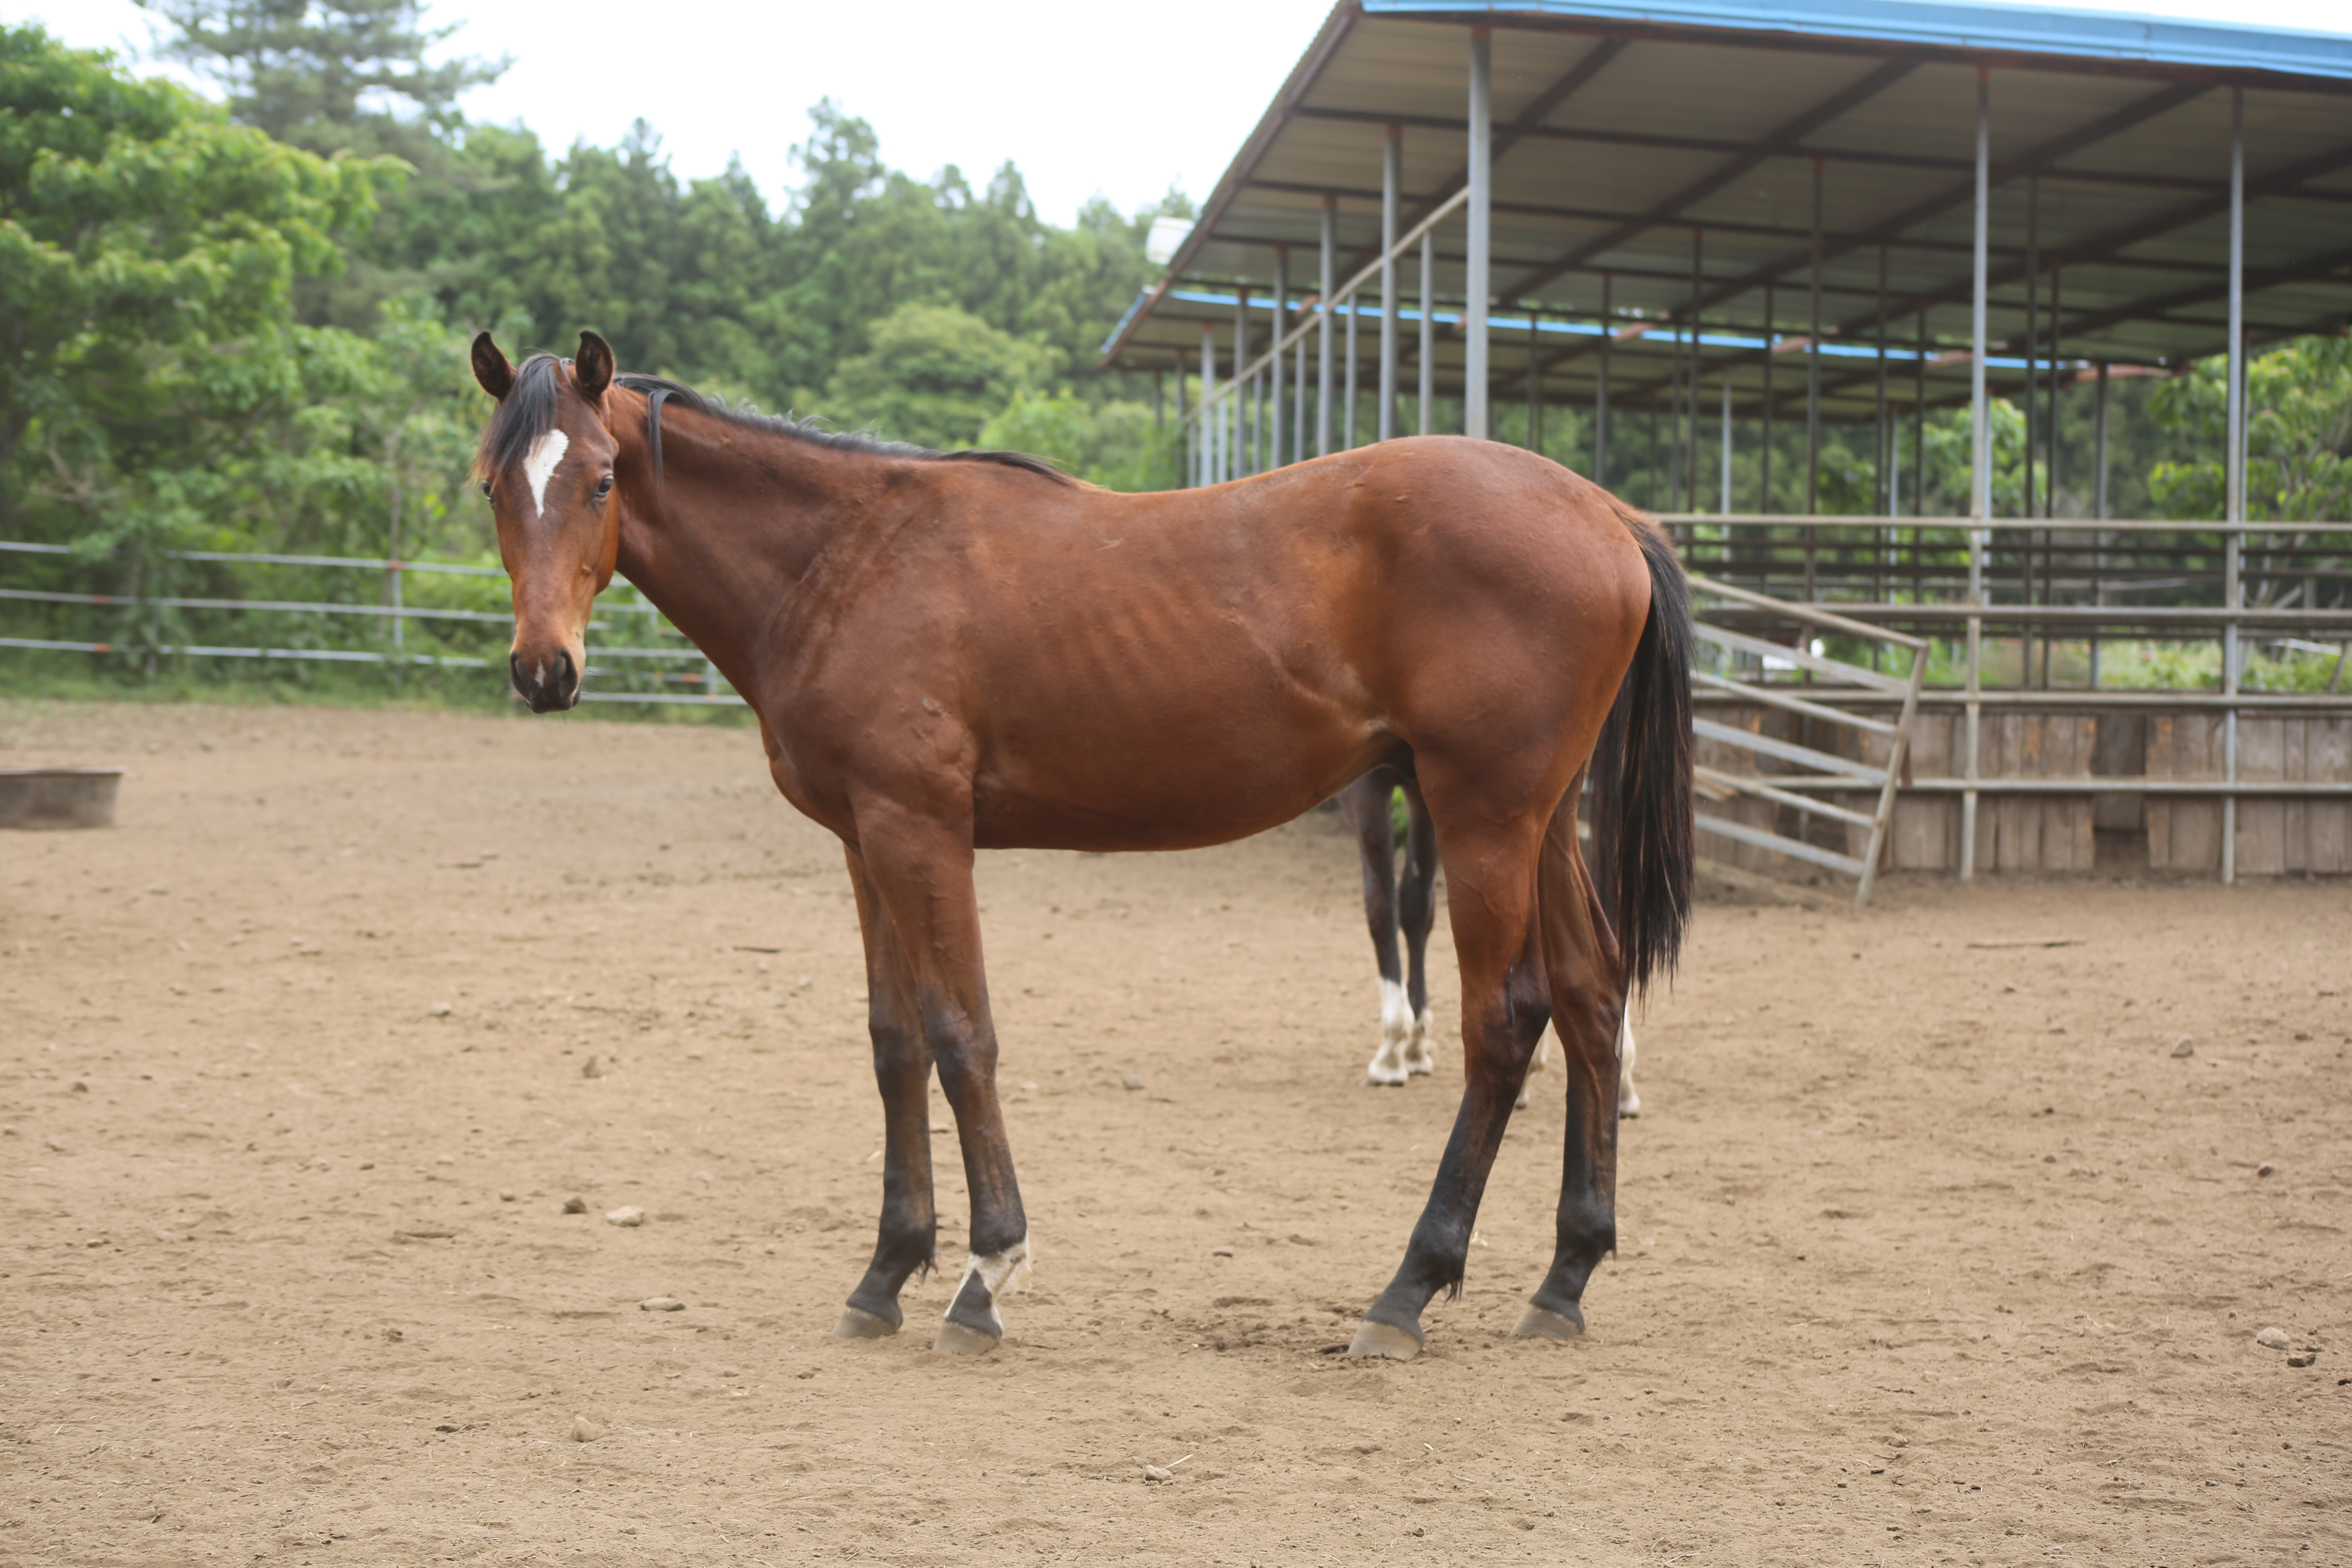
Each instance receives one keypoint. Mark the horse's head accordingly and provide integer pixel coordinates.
(546, 463)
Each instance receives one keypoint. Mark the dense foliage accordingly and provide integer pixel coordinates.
(240, 326)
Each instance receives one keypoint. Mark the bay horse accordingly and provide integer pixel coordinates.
(950, 652)
(1401, 902)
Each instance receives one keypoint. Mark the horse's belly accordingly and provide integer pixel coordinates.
(1158, 790)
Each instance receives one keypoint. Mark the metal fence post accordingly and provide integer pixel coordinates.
(2234, 480)
(1392, 183)
(1979, 476)
(1477, 283)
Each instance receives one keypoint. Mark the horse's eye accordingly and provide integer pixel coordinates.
(603, 487)
(486, 490)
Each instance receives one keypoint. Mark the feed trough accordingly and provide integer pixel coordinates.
(58, 797)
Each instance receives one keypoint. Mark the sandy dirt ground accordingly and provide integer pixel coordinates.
(1933, 1251)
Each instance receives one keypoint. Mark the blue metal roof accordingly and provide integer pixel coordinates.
(1972, 28)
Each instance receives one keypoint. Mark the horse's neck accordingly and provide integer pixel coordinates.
(716, 545)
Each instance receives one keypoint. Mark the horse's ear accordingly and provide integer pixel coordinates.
(491, 369)
(594, 367)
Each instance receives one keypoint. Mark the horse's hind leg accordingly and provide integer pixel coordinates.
(1504, 1008)
(1416, 911)
(1629, 1098)
(1365, 805)
(902, 1070)
(1582, 965)
(920, 869)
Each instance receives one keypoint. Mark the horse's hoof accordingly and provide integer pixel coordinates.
(1630, 1112)
(1543, 1324)
(857, 1323)
(1391, 1077)
(957, 1339)
(1383, 1339)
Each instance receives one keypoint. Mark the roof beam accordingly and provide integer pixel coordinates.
(1753, 230)
(1652, 141)
(2101, 250)
(1529, 122)
(2033, 161)
(1780, 142)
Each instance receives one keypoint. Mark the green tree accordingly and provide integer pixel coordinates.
(932, 374)
(148, 254)
(1115, 444)
(2298, 435)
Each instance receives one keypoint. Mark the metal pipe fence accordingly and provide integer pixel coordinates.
(342, 631)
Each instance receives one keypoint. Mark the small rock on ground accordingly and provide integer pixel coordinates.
(592, 1068)
(661, 1304)
(585, 1430)
(1130, 1082)
(628, 1214)
(575, 1205)
(2184, 1047)
(1154, 1473)
(2272, 1339)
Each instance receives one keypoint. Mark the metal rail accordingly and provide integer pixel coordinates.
(397, 614)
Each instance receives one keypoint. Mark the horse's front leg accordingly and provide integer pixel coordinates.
(921, 867)
(902, 1070)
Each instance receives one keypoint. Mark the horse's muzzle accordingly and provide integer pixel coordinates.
(548, 682)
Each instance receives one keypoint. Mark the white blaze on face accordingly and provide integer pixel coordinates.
(539, 466)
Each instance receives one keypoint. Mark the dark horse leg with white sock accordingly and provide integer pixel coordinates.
(1395, 906)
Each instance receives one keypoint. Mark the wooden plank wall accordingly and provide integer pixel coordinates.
(2045, 834)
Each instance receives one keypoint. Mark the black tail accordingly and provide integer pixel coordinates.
(1643, 835)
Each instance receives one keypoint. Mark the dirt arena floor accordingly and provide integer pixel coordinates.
(1936, 1247)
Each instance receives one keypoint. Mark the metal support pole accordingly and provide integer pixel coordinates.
(1203, 437)
(1354, 394)
(1726, 508)
(1237, 455)
(2049, 447)
(1814, 388)
(1476, 281)
(1601, 389)
(1323, 343)
(1186, 437)
(2032, 345)
(1881, 447)
(1298, 402)
(1764, 489)
(1275, 444)
(1426, 389)
(1882, 453)
(1979, 475)
(2098, 508)
(1535, 379)
(2234, 477)
(1392, 182)
(1698, 241)
(2099, 448)
(1919, 423)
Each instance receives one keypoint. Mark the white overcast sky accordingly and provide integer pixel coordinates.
(1121, 99)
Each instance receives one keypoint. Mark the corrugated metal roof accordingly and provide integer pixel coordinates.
(1980, 29)
(1624, 134)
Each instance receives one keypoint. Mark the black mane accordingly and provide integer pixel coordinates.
(527, 412)
(658, 390)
